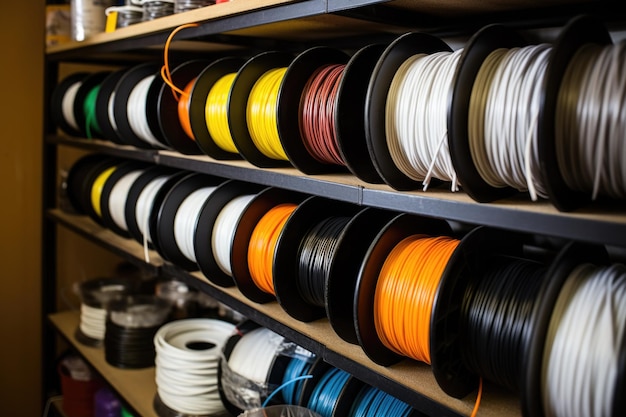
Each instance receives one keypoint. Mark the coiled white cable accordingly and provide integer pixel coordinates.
(118, 197)
(580, 361)
(186, 219)
(224, 230)
(136, 111)
(503, 112)
(590, 121)
(92, 321)
(67, 105)
(253, 355)
(416, 117)
(187, 359)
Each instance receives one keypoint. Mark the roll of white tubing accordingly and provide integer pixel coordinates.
(254, 354)
(92, 321)
(136, 110)
(186, 220)
(67, 105)
(186, 377)
(118, 196)
(145, 204)
(416, 117)
(580, 362)
(224, 231)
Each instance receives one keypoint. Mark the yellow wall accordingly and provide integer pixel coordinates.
(21, 78)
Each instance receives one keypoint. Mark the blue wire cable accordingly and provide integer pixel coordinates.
(372, 402)
(326, 393)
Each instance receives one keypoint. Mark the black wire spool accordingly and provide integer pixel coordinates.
(246, 77)
(206, 80)
(88, 180)
(204, 251)
(104, 103)
(305, 252)
(90, 82)
(391, 59)
(350, 121)
(56, 102)
(131, 325)
(122, 170)
(171, 176)
(258, 207)
(397, 229)
(273, 378)
(75, 182)
(167, 106)
(166, 215)
(578, 32)
(290, 106)
(480, 45)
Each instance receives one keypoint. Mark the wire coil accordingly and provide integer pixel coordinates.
(216, 113)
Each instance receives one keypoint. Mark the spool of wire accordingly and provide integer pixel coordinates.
(216, 113)
(126, 15)
(188, 353)
(131, 325)
(181, 6)
(153, 9)
(372, 402)
(329, 391)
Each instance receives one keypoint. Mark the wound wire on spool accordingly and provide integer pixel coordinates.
(589, 124)
(216, 113)
(316, 254)
(118, 196)
(580, 367)
(186, 220)
(293, 379)
(372, 402)
(92, 129)
(317, 114)
(405, 293)
(188, 354)
(96, 189)
(183, 109)
(224, 230)
(327, 391)
(502, 119)
(415, 117)
(262, 245)
(67, 105)
(495, 319)
(145, 204)
(136, 110)
(261, 114)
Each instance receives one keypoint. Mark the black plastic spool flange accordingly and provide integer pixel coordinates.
(289, 107)
(123, 89)
(258, 207)
(572, 255)
(344, 272)
(75, 182)
(350, 120)
(103, 99)
(197, 105)
(56, 102)
(468, 261)
(391, 59)
(310, 212)
(480, 45)
(578, 32)
(205, 257)
(169, 121)
(121, 171)
(399, 228)
(167, 246)
(246, 77)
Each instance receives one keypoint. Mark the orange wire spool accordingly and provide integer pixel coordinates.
(263, 245)
(405, 293)
(183, 109)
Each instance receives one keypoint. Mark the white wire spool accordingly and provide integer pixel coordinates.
(118, 196)
(186, 219)
(224, 231)
(136, 110)
(67, 104)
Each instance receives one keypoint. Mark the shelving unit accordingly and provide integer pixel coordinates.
(246, 26)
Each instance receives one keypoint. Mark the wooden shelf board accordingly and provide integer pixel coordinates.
(136, 386)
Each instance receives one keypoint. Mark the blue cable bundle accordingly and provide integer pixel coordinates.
(326, 393)
(373, 402)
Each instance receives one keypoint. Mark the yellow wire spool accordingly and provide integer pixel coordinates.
(96, 189)
(216, 113)
(261, 114)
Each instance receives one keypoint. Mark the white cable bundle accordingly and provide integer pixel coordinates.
(590, 122)
(92, 321)
(224, 231)
(187, 359)
(186, 220)
(503, 112)
(416, 117)
(580, 361)
(136, 110)
(254, 354)
(67, 104)
(118, 196)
